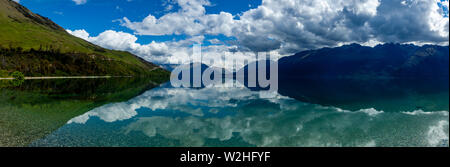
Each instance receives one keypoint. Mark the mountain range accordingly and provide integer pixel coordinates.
(36, 46)
(384, 61)
(363, 62)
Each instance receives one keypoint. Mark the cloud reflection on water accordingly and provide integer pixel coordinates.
(221, 113)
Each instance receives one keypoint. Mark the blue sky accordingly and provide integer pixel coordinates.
(164, 31)
(96, 16)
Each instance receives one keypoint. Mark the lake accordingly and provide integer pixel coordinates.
(136, 112)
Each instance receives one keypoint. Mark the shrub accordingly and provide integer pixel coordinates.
(18, 75)
(4, 74)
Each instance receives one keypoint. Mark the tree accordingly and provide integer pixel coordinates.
(18, 75)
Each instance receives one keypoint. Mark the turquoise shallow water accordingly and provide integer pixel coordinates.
(302, 115)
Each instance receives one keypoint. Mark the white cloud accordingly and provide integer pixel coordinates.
(170, 52)
(283, 26)
(80, 2)
(182, 22)
(303, 24)
(122, 41)
(80, 34)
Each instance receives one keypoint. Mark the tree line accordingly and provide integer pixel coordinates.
(50, 61)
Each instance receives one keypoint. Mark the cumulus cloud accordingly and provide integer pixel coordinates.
(285, 26)
(185, 21)
(80, 34)
(124, 41)
(308, 24)
(421, 21)
(79, 2)
(169, 52)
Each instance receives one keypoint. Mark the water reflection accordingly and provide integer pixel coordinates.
(36, 108)
(235, 116)
(389, 95)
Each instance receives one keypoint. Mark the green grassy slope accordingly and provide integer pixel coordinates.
(22, 29)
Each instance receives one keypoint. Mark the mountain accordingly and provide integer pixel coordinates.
(36, 46)
(247, 74)
(205, 70)
(354, 77)
(361, 62)
(169, 67)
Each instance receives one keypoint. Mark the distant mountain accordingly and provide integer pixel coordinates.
(169, 67)
(361, 62)
(36, 46)
(247, 74)
(203, 71)
(354, 77)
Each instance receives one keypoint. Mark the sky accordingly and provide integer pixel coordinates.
(164, 31)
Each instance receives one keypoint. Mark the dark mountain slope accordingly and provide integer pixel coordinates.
(356, 61)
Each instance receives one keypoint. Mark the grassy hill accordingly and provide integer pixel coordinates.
(36, 46)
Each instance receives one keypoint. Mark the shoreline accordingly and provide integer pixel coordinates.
(70, 77)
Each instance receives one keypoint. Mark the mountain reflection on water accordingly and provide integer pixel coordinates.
(36, 108)
(330, 114)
